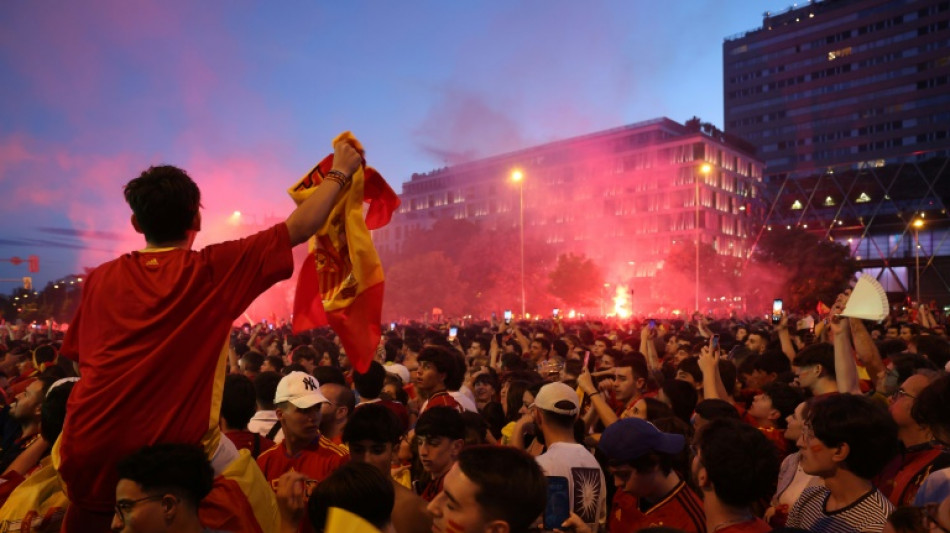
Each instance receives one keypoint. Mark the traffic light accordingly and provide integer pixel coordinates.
(34, 264)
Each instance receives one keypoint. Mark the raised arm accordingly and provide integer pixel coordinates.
(785, 338)
(846, 370)
(867, 351)
(313, 212)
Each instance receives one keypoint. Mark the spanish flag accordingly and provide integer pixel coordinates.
(341, 280)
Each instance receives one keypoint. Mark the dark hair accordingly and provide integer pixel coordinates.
(515, 399)
(326, 346)
(239, 401)
(682, 398)
(45, 353)
(265, 388)
(785, 399)
(930, 408)
(441, 422)
(657, 409)
(741, 462)
(475, 428)
(545, 344)
(445, 363)
(165, 202)
(373, 422)
(511, 485)
(935, 348)
(401, 395)
(727, 374)
(907, 364)
(773, 362)
(329, 374)
(867, 429)
(304, 353)
(253, 360)
(822, 353)
(690, 365)
(179, 469)
(53, 411)
(276, 361)
(359, 488)
(714, 409)
(370, 383)
(635, 361)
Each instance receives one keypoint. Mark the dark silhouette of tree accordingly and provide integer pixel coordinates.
(576, 281)
(814, 268)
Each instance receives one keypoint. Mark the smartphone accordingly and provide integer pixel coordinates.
(776, 311)
(392, 326)
(507, 316)
(453, 331)
(558, 507)
(586, 360)
(494, 315)
(714, 342)
(652, 324)
(555, 312)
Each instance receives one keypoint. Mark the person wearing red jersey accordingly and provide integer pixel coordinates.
(437, 366)
(735, 464)
(650, 493)
(238, 405)
(151, 332)
(304, 449)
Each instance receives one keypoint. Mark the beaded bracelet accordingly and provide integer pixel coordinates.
(337, 177)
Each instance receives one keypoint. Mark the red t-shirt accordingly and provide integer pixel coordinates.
(151, 339)
(680, 509)
(441, 399)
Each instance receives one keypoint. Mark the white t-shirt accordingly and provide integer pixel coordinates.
(587, 487)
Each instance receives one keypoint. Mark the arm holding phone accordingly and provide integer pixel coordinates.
(713, 387)
(597, 400)
(846, 370)
(785, 338)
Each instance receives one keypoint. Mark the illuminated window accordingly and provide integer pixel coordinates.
(829, 201)
(796, 204)
(842, 52)
(863, 199)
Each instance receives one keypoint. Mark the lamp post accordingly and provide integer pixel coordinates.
(704, 169)
(919, 223)
(518, 177)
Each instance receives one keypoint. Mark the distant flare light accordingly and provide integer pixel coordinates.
(622, 307)
(235, 218)
(516, 176)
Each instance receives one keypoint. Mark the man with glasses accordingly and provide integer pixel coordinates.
(160, 488)
(440, 436)
(902, 477)
(846, 440)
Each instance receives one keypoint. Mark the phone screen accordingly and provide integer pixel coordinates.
(453, 332)
(558, 507)
(392, 326)
(556, 311)
(507, 316)
(776, 311)
(652, 324)
(714, 342)
(586, 360)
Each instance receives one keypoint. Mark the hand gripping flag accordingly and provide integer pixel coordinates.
(341, 280)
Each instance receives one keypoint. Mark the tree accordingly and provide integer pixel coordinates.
(576, 281)
(419, 283)
(814, 268)
(676, 279)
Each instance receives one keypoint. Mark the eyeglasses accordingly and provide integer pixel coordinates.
(901, 392)
(123, 507)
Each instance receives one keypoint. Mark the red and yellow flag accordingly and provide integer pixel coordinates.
(341, 280)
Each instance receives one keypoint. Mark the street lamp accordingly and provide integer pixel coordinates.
(518, 177)
(705, 169)
(918, 223)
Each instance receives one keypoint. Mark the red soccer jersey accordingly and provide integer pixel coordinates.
(441, 399)
(749, 526)
(151, 339)
(317, 461)
(680, 509)
(252, 442)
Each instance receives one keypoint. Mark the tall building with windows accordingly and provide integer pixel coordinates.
(622, 196)
(848, 104)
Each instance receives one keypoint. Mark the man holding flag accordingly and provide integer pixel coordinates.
(151, 332)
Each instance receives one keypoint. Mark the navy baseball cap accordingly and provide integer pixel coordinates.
(630, 438)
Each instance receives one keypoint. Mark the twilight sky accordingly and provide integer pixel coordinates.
(246, 96)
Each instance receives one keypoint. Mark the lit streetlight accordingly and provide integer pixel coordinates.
(918, 223)
(518, 177)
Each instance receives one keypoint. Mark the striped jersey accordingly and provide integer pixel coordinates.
(867, 513)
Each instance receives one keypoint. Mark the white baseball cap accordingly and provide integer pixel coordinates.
(300, 389)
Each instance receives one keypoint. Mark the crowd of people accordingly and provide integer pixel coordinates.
(155, 413)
